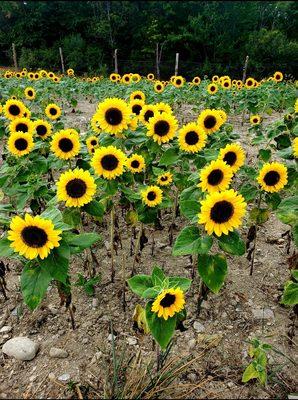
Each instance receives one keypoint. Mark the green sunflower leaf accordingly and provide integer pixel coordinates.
(190, 241)
(213, 270)
(140, 283)
(232, 243)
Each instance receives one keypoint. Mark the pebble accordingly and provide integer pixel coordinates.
(198, 327)
(51, 376)
(265, 313)
(6, 329)
(21, 348)
(94, 302)
(55, 352)
(132, 341)
(110, 337)
(85, 340)
(96, 357)
(32, 378)
(192, 377)
(192, 344)
(64, 378)
(230, 384)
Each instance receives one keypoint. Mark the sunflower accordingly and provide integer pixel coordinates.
(42, 128)
(20, 143)
(70, 72)
(168, 303)
(133, 123)
(29, 93)
(196, 80)
(222, 212)
(95, 124)
(273, 177)
(76, 188)
(108, 162)
(113, 115)
(33, 236)
(295, 147)
(158, 87)
(165, 179)
(22, 124)
(226, 84)
(114, 77)
(296, 106)
(278, 76)
(136, 106)
(249, 83)
(150, 77)
(91, 143)
(215, 78)
(210, 121)
(135, 163)
(31, 76)
(136, 78)
(233, 155)
(215, 177)
(137, 95)
(178, 81)
(163, 108)
(191, 138)
(212, 88)
(53, 111)
(50, 75)
(65, 145)
(255, 119)
(148, 111)
(162, 127)
(14, 109)
(152, 196)
(126, 78)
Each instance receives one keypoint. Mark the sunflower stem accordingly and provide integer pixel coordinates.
(124, 282)
(137, 249)
(173, 217)
(112, 227)
(255, 238)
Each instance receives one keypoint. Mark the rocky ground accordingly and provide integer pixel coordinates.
(78, 363)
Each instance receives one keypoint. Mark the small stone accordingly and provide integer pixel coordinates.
(94, 302)
(230, 327)
(21, 348)
(32, 378)
(55, 352)
(224, 315)
(192, 344)
(6, 329)
(107, 245)
(132, 341)
(85, 340)
(198, 327)
(64, 378)
(96, 357)
(51, 376)
(260, 314)
(230, 384)
(192, 377)
(110, 337)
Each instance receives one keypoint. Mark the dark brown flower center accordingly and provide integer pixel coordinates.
(30, 93)
(178, 81)
(212, 88)
(76, 188)
(14, 110)
(65, 145)
(161, 128)
(255, 120)
(53, 111)
(191, 138)
(215, 177)
(164, 178)
(148, 114)
(230, 158)
(113, 116)
(21, 144)
(168, 300)
(135, 164)
(93, 142)
(136, 109)
(109, 162)
(137, 96)
(21, 127)
(151, 196)
(222, 211)
(41, 130)
(158, 87)
(210, 122)
(271, 178)
(34, 236)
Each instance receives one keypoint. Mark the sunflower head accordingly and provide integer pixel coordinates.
(148, 111)
(136, 106)
(233, 155)
(278, 76)
(20, 144)
(65, 145)
(162, 127)
(159, 87)
(163, 108)
(178, 81)
(249, 83)
(152, 196)
(191, 138)
(22, 124)
(135, 163)
(168, 303)
(212, 88)
(255, 119)
(42, 128)
(150, 77)
(273, 177)
(215, 177)
(126, 79)
(29, 93)
(295, 147)
(165, 179)
(33, 237)
(210, 121)
(14, 109)
(196, 80)
(108, 162)
(137, 95)
(91, 143)
(53, 111)
(113, 115)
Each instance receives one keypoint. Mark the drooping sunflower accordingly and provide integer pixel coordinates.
(22, 124)
(65, 145)
(42, 128)
(215, 177)
(196, 80)
(137, 95)
(136, 106)
(113, 115)
(14, 109)
(108, 162)
(135, 163)
(273, 177)
(152, 196)
(278, 76)
(76, 187)
(295, 147)
(212, 88)
(53, 111)
(20, 143)
(168, 303)
(163, 108)
(223, 115)
(191, 138)
(95, 124)
(30, 93)
(255, 119)
(178, 81)
(148, 111)
(158, 87)
(33, 236)
(222, 212)
(165, 179)
(233, 154)
(91, 143)
(162, 128)
(210, 121)
(249, 83)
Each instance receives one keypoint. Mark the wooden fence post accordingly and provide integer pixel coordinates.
(245, 69)
(176, 64)
(14, 54)
(62, 61)
(116, 60)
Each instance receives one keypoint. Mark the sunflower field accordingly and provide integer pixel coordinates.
(148, 232)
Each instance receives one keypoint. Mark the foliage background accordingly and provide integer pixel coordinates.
(211, 36)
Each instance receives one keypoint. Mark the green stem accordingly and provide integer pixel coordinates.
(255, 238)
